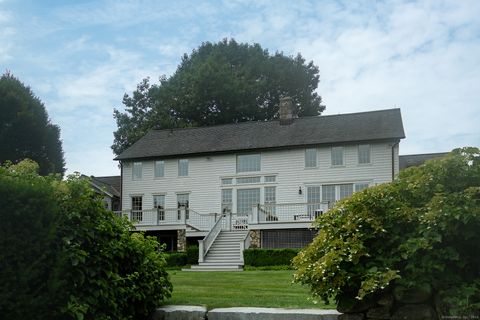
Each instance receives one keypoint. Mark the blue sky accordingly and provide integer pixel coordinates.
(81, 57)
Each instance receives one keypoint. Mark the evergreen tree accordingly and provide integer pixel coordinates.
(25, 130)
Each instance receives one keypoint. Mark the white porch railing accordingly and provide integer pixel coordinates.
(172, 216)
(287, 212)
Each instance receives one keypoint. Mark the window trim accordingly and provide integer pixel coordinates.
(185, 160)
(343, 157)
(316, 158)
(134, 177)
(155, 169)
(259, 154)
(369, 155)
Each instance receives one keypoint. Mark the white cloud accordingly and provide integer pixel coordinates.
(421, 56)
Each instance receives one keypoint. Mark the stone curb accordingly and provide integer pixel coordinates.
(180, 313)
(271, 314)
(241, 313)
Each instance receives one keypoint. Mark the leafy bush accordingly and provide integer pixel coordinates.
(29, 267)
(63, 256)
(422, 229)
(269, 257)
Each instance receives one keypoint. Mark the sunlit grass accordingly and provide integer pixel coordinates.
(240, 289)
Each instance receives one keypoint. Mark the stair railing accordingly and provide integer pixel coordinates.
(200, 221)
(244, 244)
(205, 244)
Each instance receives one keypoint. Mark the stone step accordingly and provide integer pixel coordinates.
(213, 269)
(219, 264)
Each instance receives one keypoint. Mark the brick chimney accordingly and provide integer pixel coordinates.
(285, 111)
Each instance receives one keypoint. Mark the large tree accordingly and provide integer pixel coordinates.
(25, 129)
(224, 82)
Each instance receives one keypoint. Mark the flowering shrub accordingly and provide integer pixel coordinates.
(423, 228)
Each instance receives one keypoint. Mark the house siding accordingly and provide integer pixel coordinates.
(205, 173)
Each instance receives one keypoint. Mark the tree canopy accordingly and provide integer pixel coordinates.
(25, 130)
(218, 83)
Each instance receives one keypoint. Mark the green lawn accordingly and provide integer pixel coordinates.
(239, 289)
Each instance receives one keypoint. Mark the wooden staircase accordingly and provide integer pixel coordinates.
(224, 254)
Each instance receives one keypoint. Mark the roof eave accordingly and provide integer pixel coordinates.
(208, 153)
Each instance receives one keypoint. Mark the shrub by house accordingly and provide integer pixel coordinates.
(420, 231)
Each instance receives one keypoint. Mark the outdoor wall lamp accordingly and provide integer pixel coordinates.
(300, 190)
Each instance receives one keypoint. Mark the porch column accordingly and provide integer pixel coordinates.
(254, 238)
(181, 240)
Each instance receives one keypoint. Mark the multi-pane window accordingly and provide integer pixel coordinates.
(159, 204)
(159, 168)
(246, 199)
(337, 156)
(328, 194)
(345, 190)
(363, 153)
(361, 186)
(227, 200)
(227, 181)
(137, 171)
(269, 195)
(313, 194)
(248, 162)
(183, 167)
(136, 208)
(248, 180)
(313, 198)
(270, 199)
(182, 203)
(310, 158)
(270, 179)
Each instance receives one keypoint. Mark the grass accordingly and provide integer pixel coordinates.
(240, 289)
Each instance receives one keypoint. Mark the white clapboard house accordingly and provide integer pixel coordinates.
(257, 184)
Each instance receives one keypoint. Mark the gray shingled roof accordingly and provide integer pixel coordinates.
(110, 184)
(305, 131)
(413, 160)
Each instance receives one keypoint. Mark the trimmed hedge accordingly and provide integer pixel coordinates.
(176, 259)
(269, 257)
(180, 259)
(192, 255)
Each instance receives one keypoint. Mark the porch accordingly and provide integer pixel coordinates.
(261, 216)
